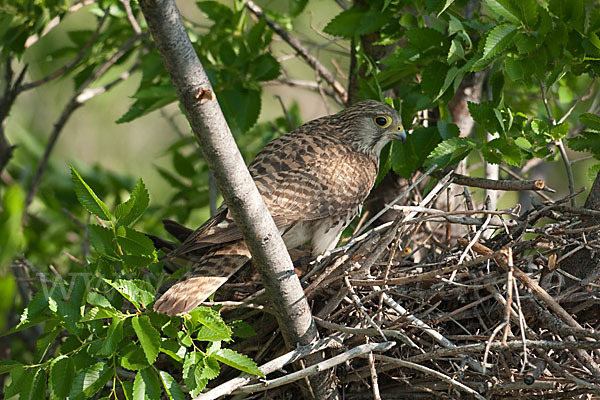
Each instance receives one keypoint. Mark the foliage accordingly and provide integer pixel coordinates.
(92, 322)
(110, 327)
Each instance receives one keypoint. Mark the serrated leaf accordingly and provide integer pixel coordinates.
(528, 11)
(241, 107)
(592, 172)
(96, 299)
(102, 240)
(446, 5)
(210, 368)
(450, 152)
(62, 374)
(592, 121)
(407, 157)
(89, 382)
(586, 141)
(99, 313)
(506, 9)
(242, 329)
(513, 69)
(87, 198)
(560, 131)
(114, 336)
(138, 292)
(148, 336)
(264, 68)
(128, 212)
(523, 143)
(171, 386)
(356, 21)
(146, 385)
(499, 38)
(237, 361)
(132, 357)
(214, 327)
(7, 365)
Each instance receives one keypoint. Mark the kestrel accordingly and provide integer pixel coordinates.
(313, 181)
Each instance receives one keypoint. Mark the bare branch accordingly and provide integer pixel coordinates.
(302, 51)
(79, 97)
(62, 70)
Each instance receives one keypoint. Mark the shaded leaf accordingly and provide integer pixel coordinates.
(62, 373)
(237, 361)
(499, 38)
(148, 336)
(87, 198)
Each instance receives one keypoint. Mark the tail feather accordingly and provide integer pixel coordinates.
(205, 277)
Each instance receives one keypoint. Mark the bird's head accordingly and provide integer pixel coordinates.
(369, 125)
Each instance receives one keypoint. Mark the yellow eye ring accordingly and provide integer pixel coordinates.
(383, 121)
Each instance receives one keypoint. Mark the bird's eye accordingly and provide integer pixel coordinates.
(382, 121)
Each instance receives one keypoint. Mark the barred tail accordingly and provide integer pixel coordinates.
(205, 277)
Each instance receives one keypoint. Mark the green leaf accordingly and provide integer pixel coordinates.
(237, 361)
(592, 121)
(148, 336)
(114, 336)
(210, 368)
(264, 68)
(586, 141)
(133, 358)
(149, 99)
(560, 131)
(528, 10)
(146, 385)
(592, 172)
(506, 9)
(127, 213)
(356, 21)
(136, 291)
(99, 313)
(98, 300)
(215, 11)
(433, 76)
(134, 242)
(448, 4)
(87, 198)
(450, 152)
(7, 365)
(171, 387)
(499, 38)
(90, 381)
(407, 157)
(62, 374)
(514, 69)
(11, 231)
(241, 107)
(242, 329)
(214, 327)
(103, 241)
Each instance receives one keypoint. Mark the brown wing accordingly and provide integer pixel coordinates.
(301, 176)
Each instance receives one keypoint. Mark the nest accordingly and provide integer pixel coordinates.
(410, 311)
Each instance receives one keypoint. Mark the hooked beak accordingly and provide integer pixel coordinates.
(400, 134)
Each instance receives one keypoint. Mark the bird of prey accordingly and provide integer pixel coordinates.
(313, 181)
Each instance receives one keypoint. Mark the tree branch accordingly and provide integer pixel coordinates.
(222, 155)
(302, 51)
(81, 95)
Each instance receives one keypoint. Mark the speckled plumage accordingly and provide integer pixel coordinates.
(313, 181)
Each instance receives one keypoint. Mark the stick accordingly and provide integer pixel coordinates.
(314, 369)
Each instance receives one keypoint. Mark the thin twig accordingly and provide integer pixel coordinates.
(302, 51)
(79, 97)
(316, 368)
(67, 67)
